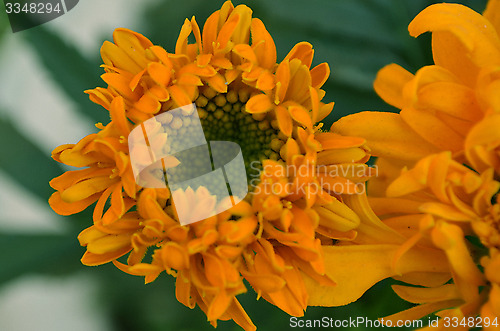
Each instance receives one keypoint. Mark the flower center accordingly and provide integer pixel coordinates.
(223, 118)
(226, 128)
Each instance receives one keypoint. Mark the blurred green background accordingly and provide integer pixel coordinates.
(43, 72)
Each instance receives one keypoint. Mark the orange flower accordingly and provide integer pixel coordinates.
(442, 203)
(441, 103)
(446, 134)
(299, 176)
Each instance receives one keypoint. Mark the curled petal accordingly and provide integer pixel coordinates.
(463, 40)
(390, 82)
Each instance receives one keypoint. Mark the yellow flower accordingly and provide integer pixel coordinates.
(276, 237)
(441, 204)
(441, 103)
(446, 134)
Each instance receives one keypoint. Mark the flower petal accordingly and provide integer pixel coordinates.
(368, 264)
(265, 50)
(259, 103)
(463, 40)
(424, 295)
(386, 134)
(285, 123)
(389, 84)
(492, 13)
(433, 129)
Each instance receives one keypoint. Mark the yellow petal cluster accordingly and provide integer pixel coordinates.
(277, 237)
(440, 167)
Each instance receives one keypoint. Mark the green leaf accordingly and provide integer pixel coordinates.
(4, 26)
(25, 162)
(69, 69)
(339, 19)
(52, 254)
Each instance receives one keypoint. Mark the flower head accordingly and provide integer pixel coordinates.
(275, 237)
(443, 102)
(440, 165)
